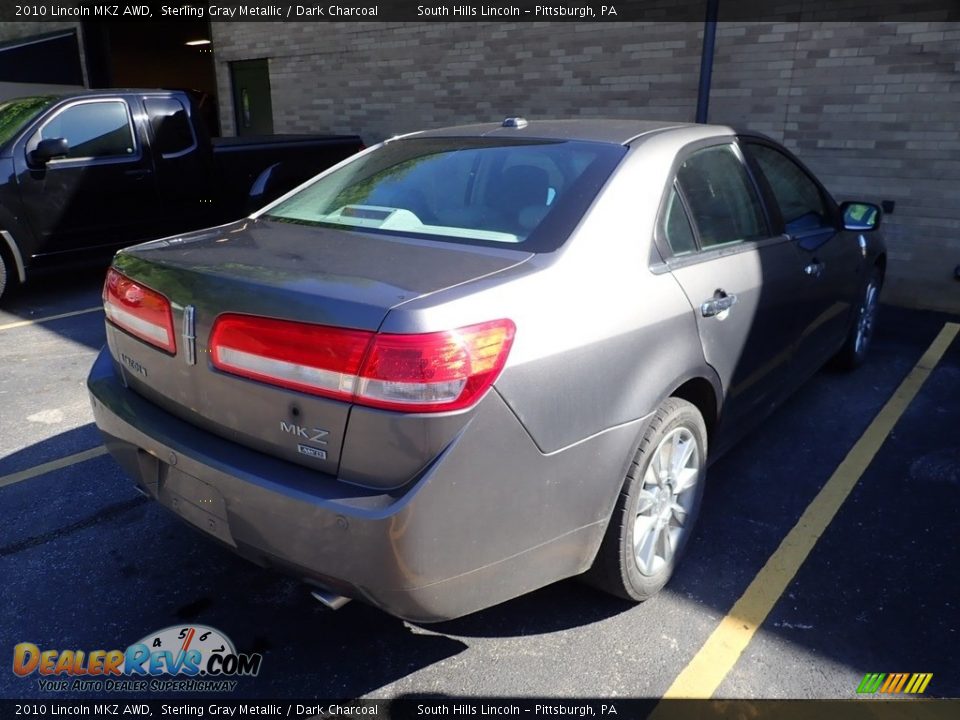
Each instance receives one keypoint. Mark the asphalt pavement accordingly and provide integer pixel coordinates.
(87, 562)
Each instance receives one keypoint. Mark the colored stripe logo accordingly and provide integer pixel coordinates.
(894, 683)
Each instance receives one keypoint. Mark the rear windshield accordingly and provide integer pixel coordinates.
(15, 114)
(483, 191)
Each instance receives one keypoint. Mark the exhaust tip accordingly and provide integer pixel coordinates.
(331, 600)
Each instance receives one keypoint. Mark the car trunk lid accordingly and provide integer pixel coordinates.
(278, 270)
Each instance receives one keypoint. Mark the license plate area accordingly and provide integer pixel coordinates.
(197, 502)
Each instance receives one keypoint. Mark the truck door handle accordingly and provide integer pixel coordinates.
(814, 269)
(719, 303)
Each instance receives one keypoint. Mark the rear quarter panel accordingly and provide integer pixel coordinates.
(601, 337)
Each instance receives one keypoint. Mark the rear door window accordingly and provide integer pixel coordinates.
(722, 199)
(676, 227)
(169, 126)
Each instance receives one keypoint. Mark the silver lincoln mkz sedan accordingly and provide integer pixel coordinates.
(469, 362)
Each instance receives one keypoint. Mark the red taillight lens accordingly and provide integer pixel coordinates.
(434, 371)
(142, 312)
(313, 358)
(429, 372)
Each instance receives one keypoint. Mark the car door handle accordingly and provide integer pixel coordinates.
(814, 269)
(137, 174)
(719, 303)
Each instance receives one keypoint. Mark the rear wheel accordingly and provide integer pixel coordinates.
(657, 507)
(854, 350)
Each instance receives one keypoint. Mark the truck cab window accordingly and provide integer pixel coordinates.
(94, 130)
(169, 125)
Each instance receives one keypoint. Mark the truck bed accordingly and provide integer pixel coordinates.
(289, 160)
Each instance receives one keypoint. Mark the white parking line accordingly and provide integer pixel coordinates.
(51, 466)
(37, 321)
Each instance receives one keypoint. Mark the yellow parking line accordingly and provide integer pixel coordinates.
(52, 465)
(36, 321)
(703, 675)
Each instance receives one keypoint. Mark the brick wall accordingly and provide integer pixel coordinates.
(380, 79)
(873, 108)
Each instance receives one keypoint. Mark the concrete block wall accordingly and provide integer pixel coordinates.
(381, 79)
(874, 109)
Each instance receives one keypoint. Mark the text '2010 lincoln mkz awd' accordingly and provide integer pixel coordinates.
(469, 362)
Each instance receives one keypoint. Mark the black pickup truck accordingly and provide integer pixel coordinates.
(82, 175)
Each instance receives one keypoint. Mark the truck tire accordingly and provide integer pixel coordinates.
(657, 507)
(4, 275)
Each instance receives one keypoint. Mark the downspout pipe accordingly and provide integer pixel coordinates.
(706, 60)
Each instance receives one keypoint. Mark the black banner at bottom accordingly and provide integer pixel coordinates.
(430, 707)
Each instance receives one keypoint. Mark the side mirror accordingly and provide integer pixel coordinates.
(49, 149)
(860, 216)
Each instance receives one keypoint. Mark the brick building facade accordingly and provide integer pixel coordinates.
(873, 108)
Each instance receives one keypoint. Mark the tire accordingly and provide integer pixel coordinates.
(857, 344)
(4, 276)
(639, 574)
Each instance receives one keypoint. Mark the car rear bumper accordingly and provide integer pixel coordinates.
(489, 519)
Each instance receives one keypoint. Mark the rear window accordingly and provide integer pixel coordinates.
(474, 190)
(170, 125)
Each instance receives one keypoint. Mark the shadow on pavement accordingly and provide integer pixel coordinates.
(66, 443)
(54, 292)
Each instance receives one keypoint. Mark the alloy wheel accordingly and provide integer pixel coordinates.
(865, 322)
(666, 498)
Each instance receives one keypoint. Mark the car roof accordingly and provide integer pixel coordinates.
(606, 130)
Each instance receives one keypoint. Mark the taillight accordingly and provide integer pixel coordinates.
(142, 312)
(313, 358)
(434, 371)
(430, 372)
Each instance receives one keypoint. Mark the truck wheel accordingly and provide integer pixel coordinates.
(854, 350)
(657, 507)
(3, 275)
